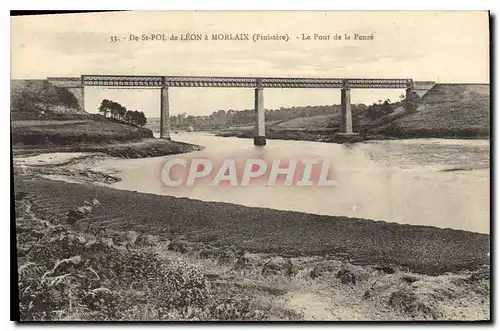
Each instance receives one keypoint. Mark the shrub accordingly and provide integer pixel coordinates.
(65, 274)
(62, 271)
(179, 286)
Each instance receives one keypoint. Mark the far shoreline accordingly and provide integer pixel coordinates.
(320, 136)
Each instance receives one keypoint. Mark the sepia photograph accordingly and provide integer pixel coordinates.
(251, 166)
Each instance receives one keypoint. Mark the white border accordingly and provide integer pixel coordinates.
(185, 5)
(256, 5)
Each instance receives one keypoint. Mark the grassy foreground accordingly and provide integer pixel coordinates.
(142, 257)
(67, 273)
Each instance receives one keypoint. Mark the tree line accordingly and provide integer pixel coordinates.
(112, 109)
(221, 119)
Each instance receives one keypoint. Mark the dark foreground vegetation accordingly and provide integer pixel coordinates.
(130, 256)
(66, 272)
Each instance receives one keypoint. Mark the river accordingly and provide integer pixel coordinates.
(438, 182)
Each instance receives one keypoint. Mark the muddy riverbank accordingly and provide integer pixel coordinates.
(420, 249)
(129, 150)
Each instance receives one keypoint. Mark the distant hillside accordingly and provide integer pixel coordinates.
(31, 98)
(329, 120)
(307, 123)
(447, 110)
(42, 114)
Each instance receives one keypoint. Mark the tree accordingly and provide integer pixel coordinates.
(386, 107)
(121, 111)
(141, 119)
(129, 115)
(104, 107)
(113, 111)
(45, 96)
(173, 121)
(411, 102)
(378, 110)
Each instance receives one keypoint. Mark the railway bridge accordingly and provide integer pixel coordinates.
(76, 85)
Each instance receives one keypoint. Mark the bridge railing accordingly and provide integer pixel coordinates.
(265, 82)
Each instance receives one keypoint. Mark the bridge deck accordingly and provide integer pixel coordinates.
(249, 82)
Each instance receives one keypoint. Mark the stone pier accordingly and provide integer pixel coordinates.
(164, 114)
(346, 133)
(345, 110)
(260, 124)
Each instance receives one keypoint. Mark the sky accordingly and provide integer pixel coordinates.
(448, 47)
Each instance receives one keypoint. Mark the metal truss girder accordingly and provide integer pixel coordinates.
(248, 82)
